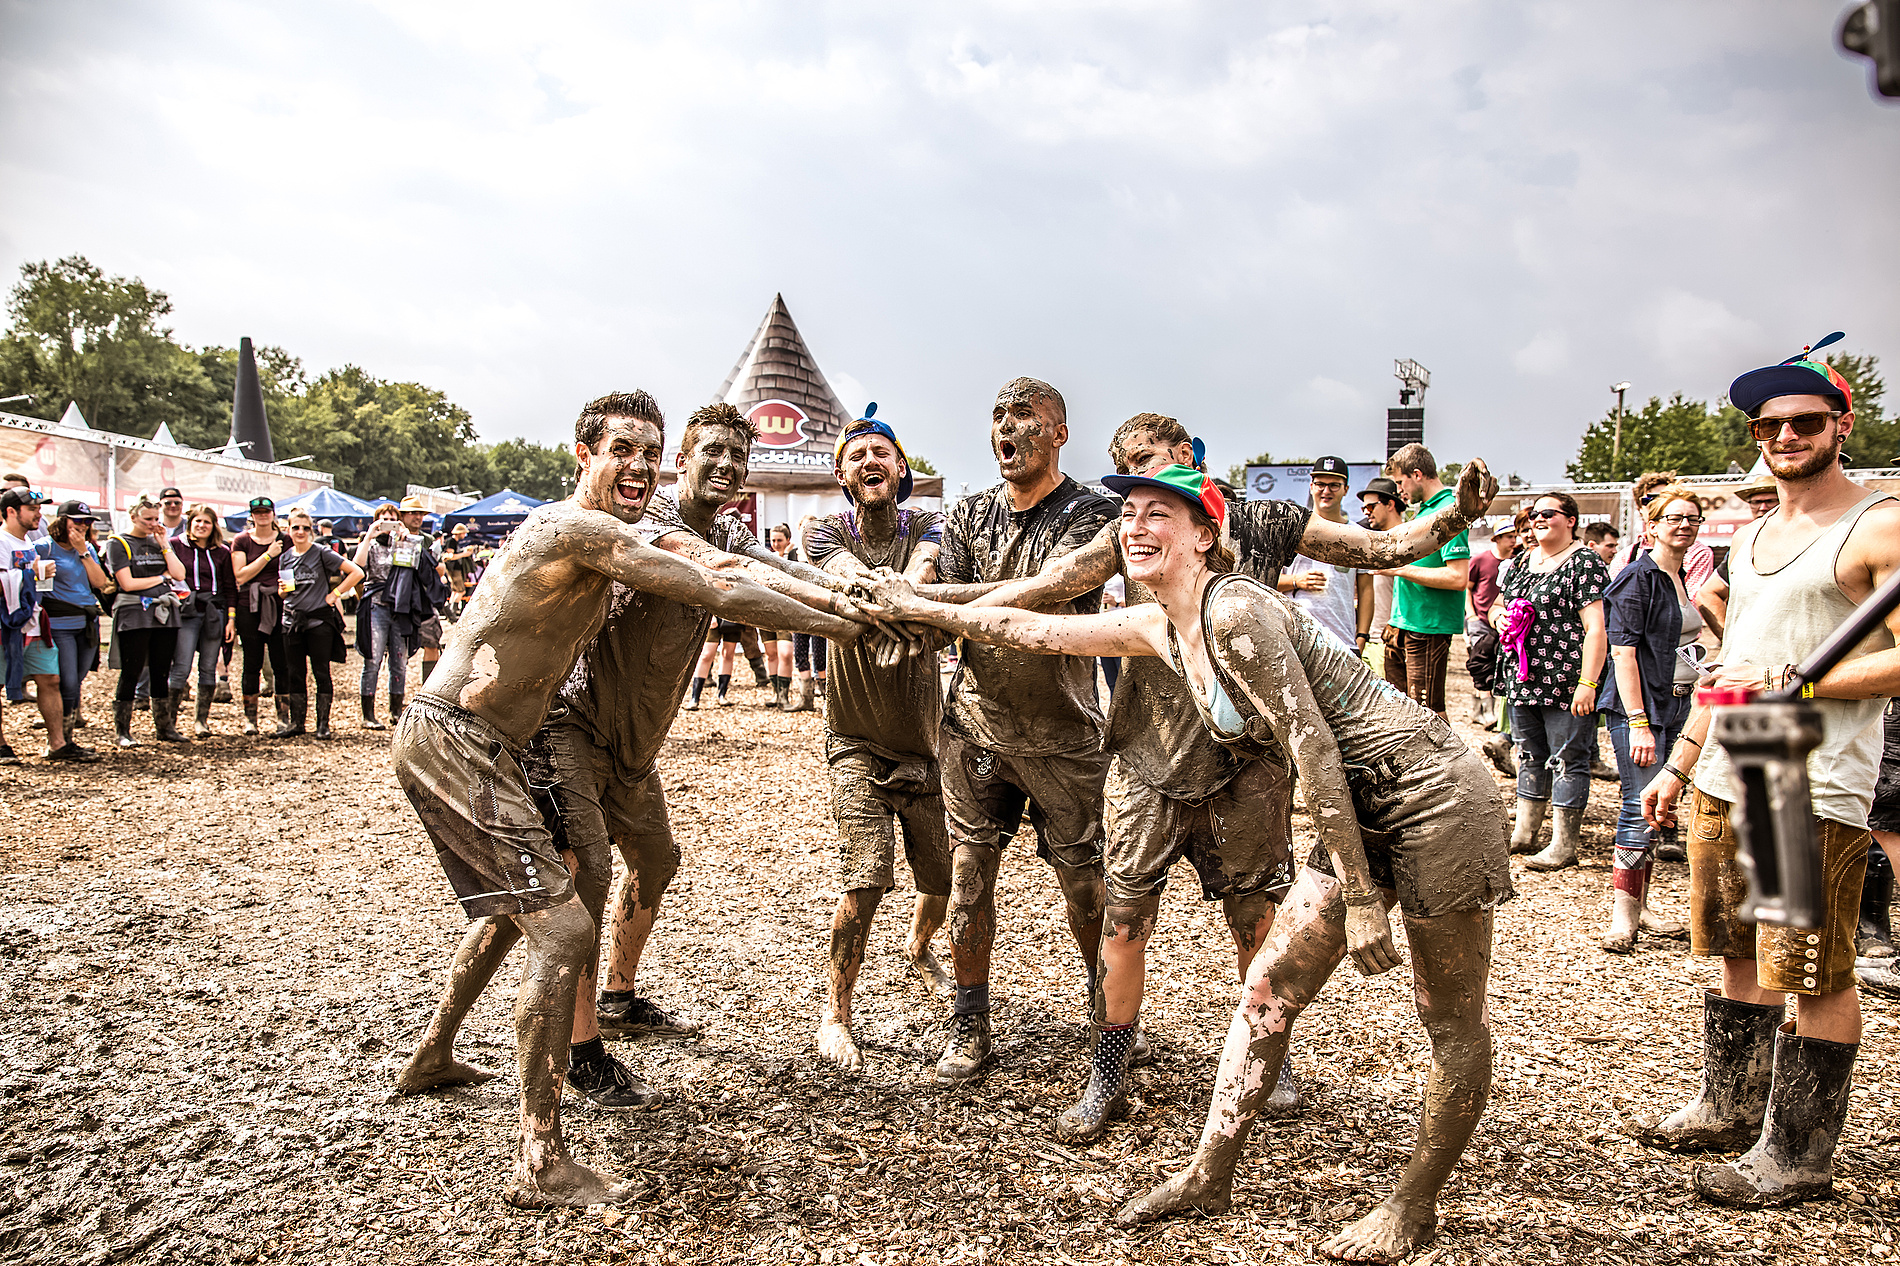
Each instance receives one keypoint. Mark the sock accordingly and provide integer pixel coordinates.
(725, 683)
(699, 684)
(618, 995)
(588, 1052)
(972, 1000)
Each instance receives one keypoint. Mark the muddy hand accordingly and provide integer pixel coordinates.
(1369, 939)
(1477, 486)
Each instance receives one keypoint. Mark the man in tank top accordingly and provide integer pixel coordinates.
(1794, 575)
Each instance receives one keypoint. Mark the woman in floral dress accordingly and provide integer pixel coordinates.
(1549, 617)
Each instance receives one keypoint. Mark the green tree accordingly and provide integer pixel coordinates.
(1876, 437)
(920, 465)
(377, 437)
(80, 335)
(540, 470)
(1678, 435)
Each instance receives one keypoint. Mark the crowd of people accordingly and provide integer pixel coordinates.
(1261, 649)
(172, 602)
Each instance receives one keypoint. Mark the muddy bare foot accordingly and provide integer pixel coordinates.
(836, 1044)
(1387, 1234)
(1188, 1189)
(566, 1184)
(429, 1071)
(925, 964)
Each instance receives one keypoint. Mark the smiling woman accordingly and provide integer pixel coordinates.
(1425, 833)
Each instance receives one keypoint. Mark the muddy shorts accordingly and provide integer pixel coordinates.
(1239, 839)
(870, 794)
(431, 633)
(1792, 960)
(600, 809)
(724, 631)
(1433, 828)
(985, 793)
(470, 786)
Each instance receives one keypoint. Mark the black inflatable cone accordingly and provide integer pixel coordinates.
(250, 429)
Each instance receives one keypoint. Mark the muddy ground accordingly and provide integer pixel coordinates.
(213, 960)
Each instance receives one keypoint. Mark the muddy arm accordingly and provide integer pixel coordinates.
(763, 556)
(1251, 643)
(777, 579)
(1349, 545)
(1062, 578)
(733, 594)
(1123, 631)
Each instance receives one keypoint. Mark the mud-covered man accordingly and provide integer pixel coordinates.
(1172, 791)
(620, 700)
(881, 724)
(1019, 730)
(461, 755)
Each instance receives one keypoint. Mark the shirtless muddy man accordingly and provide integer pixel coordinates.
(464, 756)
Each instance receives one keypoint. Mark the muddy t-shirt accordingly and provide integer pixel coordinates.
(1012, 701)
(1153, 728)
(894, 712)
(626, 687)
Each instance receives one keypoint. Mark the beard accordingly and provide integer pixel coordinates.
(1792, 466)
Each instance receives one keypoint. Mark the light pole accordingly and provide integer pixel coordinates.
(1616, 445)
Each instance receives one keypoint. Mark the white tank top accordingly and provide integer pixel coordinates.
(1780, 617)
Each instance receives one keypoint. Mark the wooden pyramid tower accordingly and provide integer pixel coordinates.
(777, 366)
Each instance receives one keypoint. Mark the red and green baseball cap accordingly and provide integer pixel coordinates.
(1800, 375)
(1182, 481)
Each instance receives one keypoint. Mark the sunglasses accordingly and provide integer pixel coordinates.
(299, 527)
(1540, 516)
(1805, 424)
(1677, 520)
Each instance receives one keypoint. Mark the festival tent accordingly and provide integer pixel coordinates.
(349, 515)
(492, 516)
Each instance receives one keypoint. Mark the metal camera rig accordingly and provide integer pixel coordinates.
(1768, 738)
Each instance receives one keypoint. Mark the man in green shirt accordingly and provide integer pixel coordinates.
(1428, 597)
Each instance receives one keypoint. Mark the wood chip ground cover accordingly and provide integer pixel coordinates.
(213, 960)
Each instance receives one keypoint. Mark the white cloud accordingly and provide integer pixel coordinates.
(1547, 353)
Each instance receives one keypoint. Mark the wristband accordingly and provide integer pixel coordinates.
(1680, 776)
(1639, 723)
(1807, 690)
(1583, 684)
(1685, 738)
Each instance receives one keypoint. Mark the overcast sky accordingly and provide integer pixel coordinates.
(1237, 214)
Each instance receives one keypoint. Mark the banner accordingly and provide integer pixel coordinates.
(1290, 483)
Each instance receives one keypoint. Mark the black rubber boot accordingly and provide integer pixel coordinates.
(165, 720)
(758, 670)
(1738, 1046)
(1106, 1094)
(324, 698)
(250, 714)
(369, 714)
(202, 729)
(122, 722)
(395, 708)
(1874, 937)
(295, 709)
(1793, 1160)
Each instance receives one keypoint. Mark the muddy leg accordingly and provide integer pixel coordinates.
(925, 918)
(650, 866)
(1451, 965)
(1126, 929)
(972, 909)
(545, 1175)
(850, 930)
(1085, 892)
(476, 959)
(1250, 918)
(591, 884)
(1307, 942)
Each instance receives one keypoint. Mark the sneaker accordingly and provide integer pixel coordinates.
(6, 755)
(968, 1049)
(73, 752)
(629, 1015)
(608, 1083)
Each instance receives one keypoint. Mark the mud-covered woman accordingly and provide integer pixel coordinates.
(1405, 816)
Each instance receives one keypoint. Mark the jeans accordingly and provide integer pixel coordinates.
(1634, 839)
(74, 664)
(1551, 740)
(384, 640)
(198, 635)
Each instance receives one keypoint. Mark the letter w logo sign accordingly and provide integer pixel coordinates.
(781, 423)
